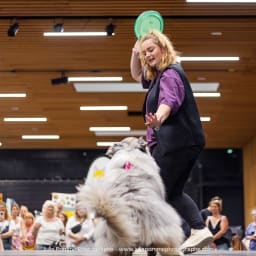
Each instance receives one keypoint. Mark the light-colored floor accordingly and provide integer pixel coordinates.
(137, 253)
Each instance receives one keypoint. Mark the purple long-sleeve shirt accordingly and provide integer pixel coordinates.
(171, 93)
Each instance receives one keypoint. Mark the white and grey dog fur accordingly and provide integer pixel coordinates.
(129, 203)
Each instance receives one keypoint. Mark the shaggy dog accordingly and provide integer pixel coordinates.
(126, 195)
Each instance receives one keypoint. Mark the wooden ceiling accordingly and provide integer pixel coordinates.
(29, 61)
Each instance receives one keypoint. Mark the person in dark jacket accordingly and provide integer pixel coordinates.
(174, 132)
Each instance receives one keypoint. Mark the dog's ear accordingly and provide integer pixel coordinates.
(114, 148)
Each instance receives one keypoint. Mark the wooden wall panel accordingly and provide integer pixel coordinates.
(249, 167)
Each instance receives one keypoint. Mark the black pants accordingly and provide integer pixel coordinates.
(175, 169)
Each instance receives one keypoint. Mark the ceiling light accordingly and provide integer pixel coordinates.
(13, 95)
(88, 108)
(205, 87)
(206, 94)
(1, 144)
(108, 87)
(13, 29)
(95, 79)
(104, 144)
(208, 58)
(221, 1)
(216, 33)
(25, 119)
(135, 87)
(96, 129)
(75, 33)
(124, 133)
(40, 137)
(205, 119)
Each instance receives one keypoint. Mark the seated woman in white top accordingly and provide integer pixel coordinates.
(82, 235)
(48, 228)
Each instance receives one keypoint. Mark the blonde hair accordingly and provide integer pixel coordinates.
(48, 203)
(30, 216)
(169, 54)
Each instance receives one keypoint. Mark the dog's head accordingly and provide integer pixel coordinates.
(128, 143)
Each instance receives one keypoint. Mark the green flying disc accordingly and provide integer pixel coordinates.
(148, 21)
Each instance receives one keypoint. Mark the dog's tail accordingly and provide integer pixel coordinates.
(103, 203)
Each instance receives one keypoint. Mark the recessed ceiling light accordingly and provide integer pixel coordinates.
(205, 119)
(25, 119)
(208, 58)
(221, 1)
(216, 33)
(95, 78)
(40, 137)
(134, 87)
(104, 129)
(92, 33)
(13, 95)
(104, 143)
(122, 133)
(89, 108)
(206, 94)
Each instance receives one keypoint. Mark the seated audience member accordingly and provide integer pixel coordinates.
(207, 211)
(250, 232)
(48, 228)
(218, 225)
(27, 239)
(79, 230)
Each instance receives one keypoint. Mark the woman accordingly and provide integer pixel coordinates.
(250, 233)
(6, 227)
(17, 225)
(48, 228)
(174, 131)
(79, 231)
(218, 225)
(27, 240)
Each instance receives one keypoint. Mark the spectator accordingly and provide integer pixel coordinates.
(48, 228)
(64, 218)
(16, 224)
(27, 239)
(79, 231)
(218, 225)
(23, 211)
(250, 233)
(5, 228)
(206, 211)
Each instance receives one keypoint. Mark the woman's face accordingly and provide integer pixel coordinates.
(50, 210)
(15, 211)
(152, 53)
(28, 221)
(214, 208)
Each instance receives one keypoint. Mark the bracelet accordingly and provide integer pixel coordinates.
(156, 128)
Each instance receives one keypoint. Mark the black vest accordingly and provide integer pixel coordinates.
(179, 130)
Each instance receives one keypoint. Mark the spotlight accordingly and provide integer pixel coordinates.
(13, 29)
(110, 28)
(59, 80)
(58, 27)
